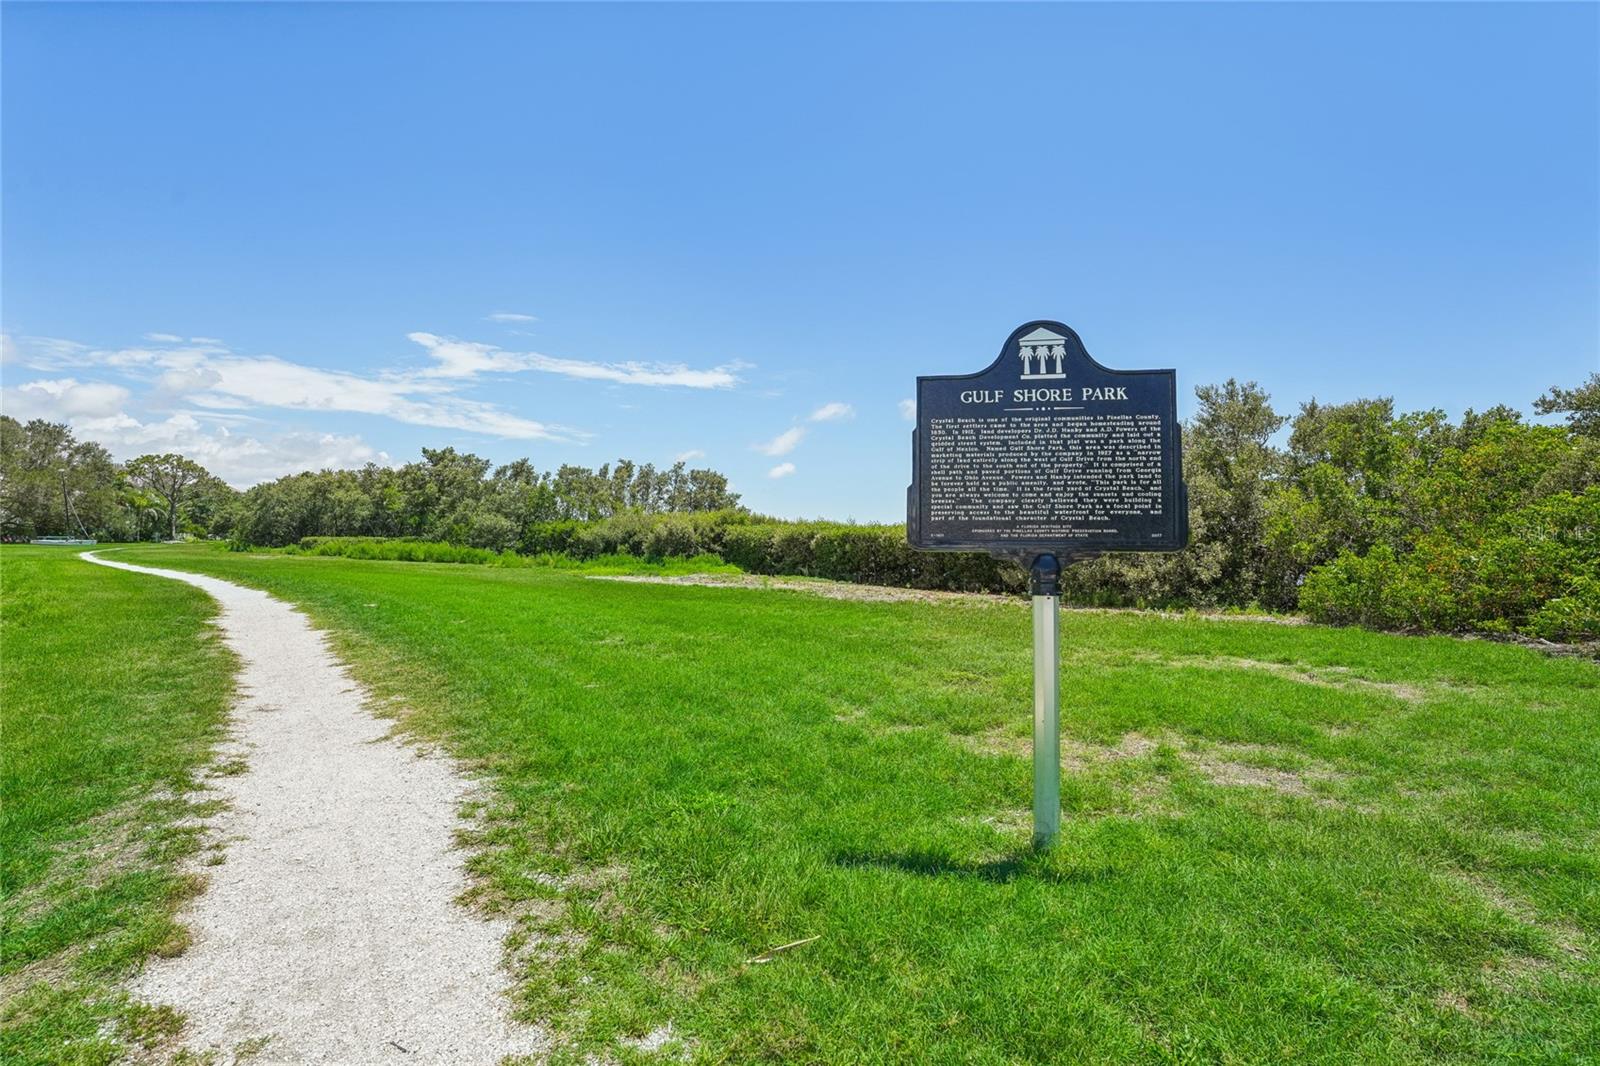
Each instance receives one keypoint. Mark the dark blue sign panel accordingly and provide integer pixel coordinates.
(1047, 452)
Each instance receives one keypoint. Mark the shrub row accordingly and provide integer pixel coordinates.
(873, 555)
(648, 536)
(868, 554)
(410, 550)
(1535, 570)
(404, 549)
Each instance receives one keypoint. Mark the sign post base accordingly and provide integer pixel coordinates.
(1046, 585)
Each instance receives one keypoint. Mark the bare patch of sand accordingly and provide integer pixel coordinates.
(1569, 940)
(332, 932)
(833, 590)
(1341, 677)
(1224, 764)
(1227, 772)
(847, 590)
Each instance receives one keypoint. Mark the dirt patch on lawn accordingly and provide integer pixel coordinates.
(1248, 765)
(1227, 772)
(1326, 676)
(1569, 940)
(845, 590)
(125, 839)
(833, 590)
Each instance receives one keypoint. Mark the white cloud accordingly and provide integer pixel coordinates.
(200, 388)
(217, 379)
(267, 381)
(511, 316)
(832, 412)
(634, 373)
(783, 443)
(239, 459)
(781, 470)
(689, 456)
(177, 384)
(48, 353)
(95, 410)
(464, 359)
(790, 439)
(62, 399)
(908, 410)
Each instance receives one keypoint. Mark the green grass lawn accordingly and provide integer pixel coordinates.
(114, 690)
(1279, 842)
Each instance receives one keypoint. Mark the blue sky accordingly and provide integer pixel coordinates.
(278, 236)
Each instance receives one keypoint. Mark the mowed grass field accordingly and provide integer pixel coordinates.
(113, 691)
(1279, 842)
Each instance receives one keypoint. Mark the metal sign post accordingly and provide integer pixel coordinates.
(1046, 582)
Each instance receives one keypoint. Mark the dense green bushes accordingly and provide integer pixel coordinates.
(877, 555)
(404, 549)
(726, 540)
(653, 536)
(1535, 570)
(870, 554)
(411, 550)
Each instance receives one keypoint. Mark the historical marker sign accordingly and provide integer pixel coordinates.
(1047, 457)
(1047, 452)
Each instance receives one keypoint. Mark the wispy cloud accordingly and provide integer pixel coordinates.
(832, 412)
(511, 316)
(783, 443)
(462, 359)
(908, 410)
(632, 373)
(241, 459)
(272, 382)
(781, 470)
(46, 353)
(95, 411)
(689, 456)
(214, 378)
(202, 398)
(790, 439)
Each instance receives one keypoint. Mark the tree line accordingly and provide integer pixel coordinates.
(458, 498)
(51, 483)
(1357, 514)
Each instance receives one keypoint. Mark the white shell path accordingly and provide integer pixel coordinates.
(331, 931)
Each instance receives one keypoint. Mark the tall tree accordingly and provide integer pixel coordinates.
(1232, 466)
(1581, 406)
(51, 482)
(169, 475)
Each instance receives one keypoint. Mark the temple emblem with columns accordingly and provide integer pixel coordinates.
(1043, 354)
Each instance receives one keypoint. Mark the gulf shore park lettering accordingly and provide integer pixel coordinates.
(1042, 458)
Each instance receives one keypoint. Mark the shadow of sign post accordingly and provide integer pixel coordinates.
(1044, 458)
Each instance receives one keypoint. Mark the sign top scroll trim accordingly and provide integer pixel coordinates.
(1025, 332)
